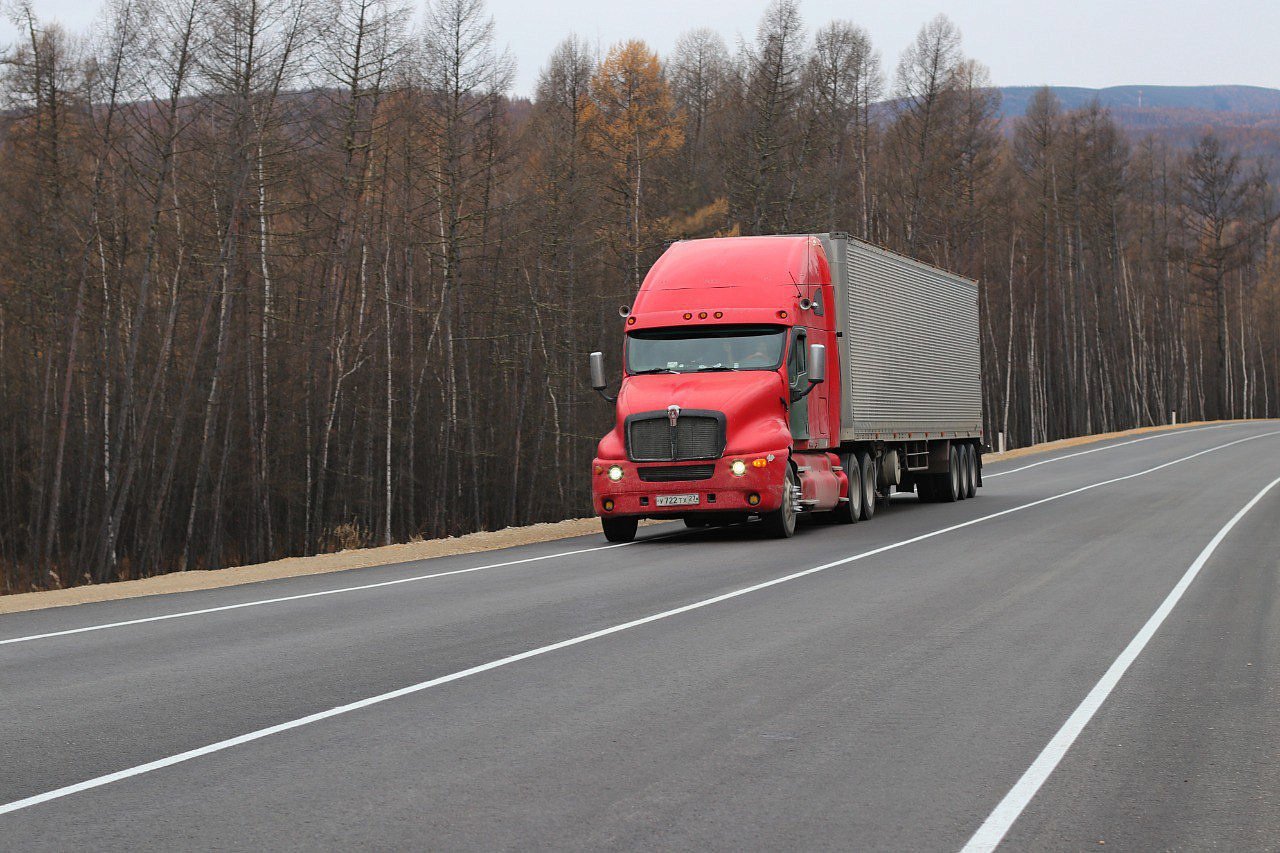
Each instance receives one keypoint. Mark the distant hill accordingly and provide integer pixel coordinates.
(1250, 100)
(1246, 117)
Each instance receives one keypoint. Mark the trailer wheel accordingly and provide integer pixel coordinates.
(848, 512)
(622, 529)
(970, 471)
(868, 471)
(781, 523)
(947, 487)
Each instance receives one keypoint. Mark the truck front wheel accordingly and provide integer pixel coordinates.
(781, 523)
(621, 529)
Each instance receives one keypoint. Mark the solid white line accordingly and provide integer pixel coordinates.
(1165, 434)
(1000, 820)
(258, 602)
(99, 781)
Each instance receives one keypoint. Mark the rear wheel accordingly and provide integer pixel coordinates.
(849, 511)
(781, 523)
(971, 470)
(867, 468)
(621, 529)
(946, 487)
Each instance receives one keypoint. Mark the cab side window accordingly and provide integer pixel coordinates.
(796, 366)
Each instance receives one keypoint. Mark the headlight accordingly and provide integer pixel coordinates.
(615, 473)
(738, 467)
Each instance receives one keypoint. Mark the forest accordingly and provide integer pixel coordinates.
(279, 278)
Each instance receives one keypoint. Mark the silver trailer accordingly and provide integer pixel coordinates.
(910, 358)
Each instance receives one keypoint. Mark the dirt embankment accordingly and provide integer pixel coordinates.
(362, 558)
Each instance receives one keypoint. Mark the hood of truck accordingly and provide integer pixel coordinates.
(753, 403)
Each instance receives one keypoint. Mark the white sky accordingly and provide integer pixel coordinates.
(1091, 43)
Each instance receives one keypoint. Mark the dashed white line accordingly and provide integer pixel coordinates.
(1002, 818)
(168, 761)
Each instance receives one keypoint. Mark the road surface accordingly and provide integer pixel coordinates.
(1093, 625)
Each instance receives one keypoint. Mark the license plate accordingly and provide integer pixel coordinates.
(678, 500)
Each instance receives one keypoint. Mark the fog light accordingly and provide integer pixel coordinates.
(615, 473)
(759, 463)
(738, 467)
(608, 504)
(753, 499)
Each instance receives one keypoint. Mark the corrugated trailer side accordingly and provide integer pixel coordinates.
(911, 362)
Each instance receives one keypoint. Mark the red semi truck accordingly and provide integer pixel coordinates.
(775, 376)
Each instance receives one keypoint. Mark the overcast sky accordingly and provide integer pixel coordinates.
(1092, 43)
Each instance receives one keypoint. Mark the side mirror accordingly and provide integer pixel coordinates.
(597, 371)
(817, 363)
(598, 382)
(817, 372)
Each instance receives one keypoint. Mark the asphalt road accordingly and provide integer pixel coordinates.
(879, 686)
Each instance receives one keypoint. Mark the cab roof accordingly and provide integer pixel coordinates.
(751, 263)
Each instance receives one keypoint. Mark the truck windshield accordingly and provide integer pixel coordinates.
(705, 348)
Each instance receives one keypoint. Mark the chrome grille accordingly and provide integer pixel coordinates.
(677, 473)
(651, 438)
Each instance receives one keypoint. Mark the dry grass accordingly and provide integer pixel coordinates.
(419, 550)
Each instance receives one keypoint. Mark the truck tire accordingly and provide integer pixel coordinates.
(947, 487)
(781, 523)
(621, 529)
(867, 465)
(970, 471)
(848, 512)
(963, 454)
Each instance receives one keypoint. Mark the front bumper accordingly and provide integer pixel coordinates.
(723, 492)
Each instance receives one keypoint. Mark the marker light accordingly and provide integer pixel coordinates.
(759, 463)
(608, 504)
(719, 314)
(615, 473)
(753, 499)
(688, 316)
(782, 315)
(599, 469)
(631, 321)
(738, 467)
(702, 315)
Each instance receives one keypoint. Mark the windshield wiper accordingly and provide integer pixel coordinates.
(715, 367)
(652, 370)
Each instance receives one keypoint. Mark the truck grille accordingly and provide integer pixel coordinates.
(677, 473)
(697, 435)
